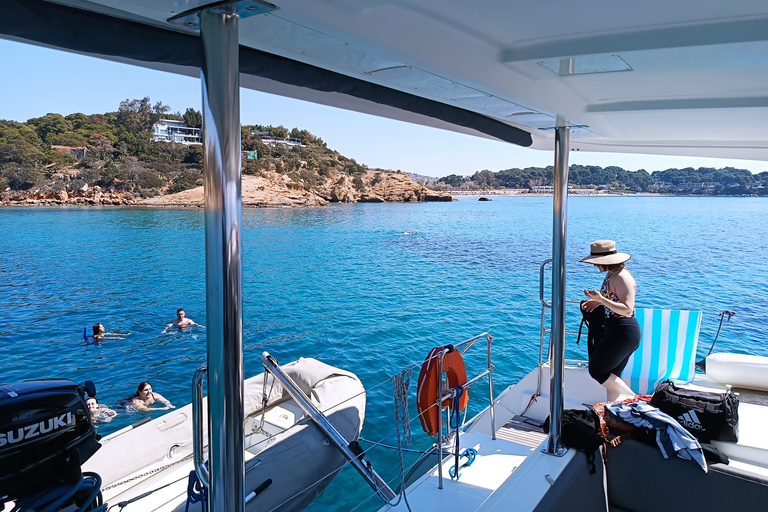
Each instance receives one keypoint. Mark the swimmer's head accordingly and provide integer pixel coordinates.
(144, 391)
(180, 313)
(98, 329)
(93, 404)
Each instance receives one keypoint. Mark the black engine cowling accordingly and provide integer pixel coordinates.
(45, 435)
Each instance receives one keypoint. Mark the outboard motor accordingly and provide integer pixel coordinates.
(45, 435)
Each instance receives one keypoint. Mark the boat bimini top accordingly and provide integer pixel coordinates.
(682, 78)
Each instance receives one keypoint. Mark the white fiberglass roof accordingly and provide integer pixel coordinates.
(688, 77)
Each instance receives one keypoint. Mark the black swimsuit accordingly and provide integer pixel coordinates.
(621, 337)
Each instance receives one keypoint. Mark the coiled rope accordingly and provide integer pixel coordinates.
(470, 454)
(196, 492)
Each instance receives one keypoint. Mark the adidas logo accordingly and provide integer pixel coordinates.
(690, 420)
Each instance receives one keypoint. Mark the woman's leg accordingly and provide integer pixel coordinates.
(620, 339)
(616, 387)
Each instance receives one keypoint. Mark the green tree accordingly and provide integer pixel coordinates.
(454, 180)
(68, 139)
(58, 158)
(140, 115)
(193, 118)
(485, 179)
(19, 143)
(99, 147)
(187, 180)
(278, 132)
(50, 127)
(21, 177)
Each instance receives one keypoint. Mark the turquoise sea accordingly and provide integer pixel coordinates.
(344, 284)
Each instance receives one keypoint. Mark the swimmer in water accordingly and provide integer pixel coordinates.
(144, 399)
(99, 412)
(181, 321)
(99, 333)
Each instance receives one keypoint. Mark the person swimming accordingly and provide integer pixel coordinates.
(181, 321)
(99, 412)
(99, 333)
(145, 398)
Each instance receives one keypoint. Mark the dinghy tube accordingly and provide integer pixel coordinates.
(351, 451)
(738, 370)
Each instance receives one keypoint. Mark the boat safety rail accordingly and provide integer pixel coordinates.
(351, 451)
(543, 329)
(451, 393)
(197, 424)
(545, 306)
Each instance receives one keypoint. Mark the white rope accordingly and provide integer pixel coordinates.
(402, 382)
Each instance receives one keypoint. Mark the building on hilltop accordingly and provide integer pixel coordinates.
(697, 186)
(278, 141)
(550, 189)
(170, 130)
(76, 151)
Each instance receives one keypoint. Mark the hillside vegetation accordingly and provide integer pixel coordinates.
(701, 181)
(122, 165)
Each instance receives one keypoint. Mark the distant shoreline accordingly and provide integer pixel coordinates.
(505, 193)
(274, 202)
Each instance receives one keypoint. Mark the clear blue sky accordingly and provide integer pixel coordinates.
(36, 81)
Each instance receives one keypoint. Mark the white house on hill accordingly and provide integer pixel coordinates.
(170, 130)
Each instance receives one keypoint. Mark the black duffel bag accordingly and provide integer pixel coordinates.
(709, 416)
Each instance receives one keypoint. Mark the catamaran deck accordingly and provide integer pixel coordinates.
(514, 463)
(495, 462)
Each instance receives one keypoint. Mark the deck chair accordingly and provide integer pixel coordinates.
(667, 350)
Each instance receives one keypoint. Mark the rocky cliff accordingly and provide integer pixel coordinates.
(275, 189)
(268, 189)
(377, 187)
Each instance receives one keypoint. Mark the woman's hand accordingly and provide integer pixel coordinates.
(589, 305)
(594, 300)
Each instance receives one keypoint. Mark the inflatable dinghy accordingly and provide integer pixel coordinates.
(288, 460)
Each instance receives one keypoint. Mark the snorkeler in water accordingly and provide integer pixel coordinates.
(181, 321)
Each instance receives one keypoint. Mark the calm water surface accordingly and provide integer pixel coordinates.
(344, 284)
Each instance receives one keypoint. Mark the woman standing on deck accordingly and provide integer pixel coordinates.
(621, 332)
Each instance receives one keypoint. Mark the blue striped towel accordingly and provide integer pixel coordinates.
(667, 350)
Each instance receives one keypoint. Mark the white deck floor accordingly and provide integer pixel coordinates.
(496, 460)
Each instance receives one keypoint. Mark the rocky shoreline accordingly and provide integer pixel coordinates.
(92, 197)
(270, 189)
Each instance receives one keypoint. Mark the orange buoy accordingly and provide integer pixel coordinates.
(428, 387)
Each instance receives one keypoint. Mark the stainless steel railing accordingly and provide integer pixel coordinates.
(197, 425)
(450, 394)
(543, 330)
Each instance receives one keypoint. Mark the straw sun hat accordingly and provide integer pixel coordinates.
(603, 252)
